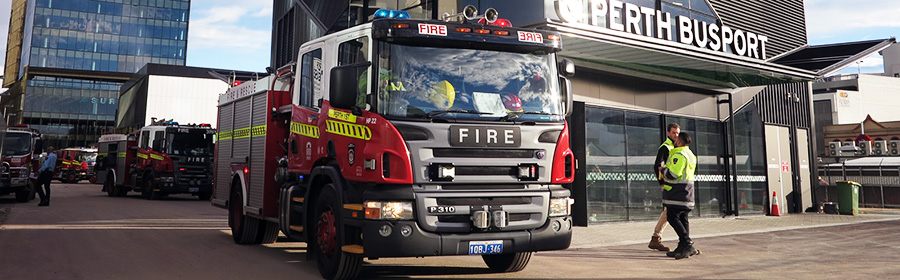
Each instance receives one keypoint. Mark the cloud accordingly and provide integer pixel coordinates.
(824, 18)
(226, 27)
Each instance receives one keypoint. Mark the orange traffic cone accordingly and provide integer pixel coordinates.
(744, 201)
(775, 210)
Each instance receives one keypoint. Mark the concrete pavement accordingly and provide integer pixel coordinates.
(627, 233)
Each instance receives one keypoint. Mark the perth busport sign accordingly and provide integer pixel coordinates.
(650, 22)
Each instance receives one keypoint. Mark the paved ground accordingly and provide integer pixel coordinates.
(86, 235)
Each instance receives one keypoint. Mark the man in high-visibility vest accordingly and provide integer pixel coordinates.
(662, 155)
(678, 194)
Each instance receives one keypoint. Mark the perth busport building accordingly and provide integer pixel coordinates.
(709, 65)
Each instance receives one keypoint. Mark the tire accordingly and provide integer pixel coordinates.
(511, 262)
(267, 232)
(329, 234)
(243, 229)
(71, 178)
(147, 189)
(110, 187)
(26, 193)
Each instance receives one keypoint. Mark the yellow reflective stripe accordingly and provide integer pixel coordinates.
(305, 130)
(156, 157)
(66, 162)
(667, 187)
(247, 132)
(223, 135)
(347, 117)
(122, 154)
(143, 156)
(348, 129)
(102, 154)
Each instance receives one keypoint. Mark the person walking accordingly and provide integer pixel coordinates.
(45, 175)
(678, 194)
(662, 155)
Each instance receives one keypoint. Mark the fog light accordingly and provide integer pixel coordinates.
(556, 225)
(389, 210)
(528, 172)
(406, 230)
(385, 230)
(442, 172)
(481, 219)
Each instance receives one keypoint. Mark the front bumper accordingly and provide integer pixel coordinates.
(421, 243)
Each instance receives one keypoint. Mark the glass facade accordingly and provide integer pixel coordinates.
(68, 40)
(620, 147)
(749, 144)
(108, 35)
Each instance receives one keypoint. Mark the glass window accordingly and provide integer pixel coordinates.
(311, 70)
(605, 156)
(353, 51)
(643, 137)
(752, 188)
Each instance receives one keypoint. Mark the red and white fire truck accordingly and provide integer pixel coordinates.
(21, 150)
(160, 159)
(74, 164)
(404, 138)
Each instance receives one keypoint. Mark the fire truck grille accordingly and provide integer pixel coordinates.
(484, 153)
(193, 175)
(526, 210)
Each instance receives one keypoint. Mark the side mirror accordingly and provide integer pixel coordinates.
(566, 68)
(344, 85)
(568, 99)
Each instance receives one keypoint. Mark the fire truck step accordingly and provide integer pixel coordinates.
(353, 249)
(297, 228)
(298, 199)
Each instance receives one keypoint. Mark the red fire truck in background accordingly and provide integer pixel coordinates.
(404, 138)
(74, 164)
(21, 150)
(160, 159)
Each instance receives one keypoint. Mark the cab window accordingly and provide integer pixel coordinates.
(311, 73)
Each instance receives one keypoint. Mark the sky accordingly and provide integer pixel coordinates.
(236, 34)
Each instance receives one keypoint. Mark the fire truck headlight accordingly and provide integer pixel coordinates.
(389, 210)
(561, 206)
(167, 179)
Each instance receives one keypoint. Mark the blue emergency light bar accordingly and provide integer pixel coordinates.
(385, 13)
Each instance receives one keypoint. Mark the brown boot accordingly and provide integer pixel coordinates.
(656, 244)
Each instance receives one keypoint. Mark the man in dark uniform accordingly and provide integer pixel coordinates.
(678, 194)
(662, 155)
(45, 176)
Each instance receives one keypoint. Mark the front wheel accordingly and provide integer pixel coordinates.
(147, 190)
(511, 262)
(26, 193)
(333, 262)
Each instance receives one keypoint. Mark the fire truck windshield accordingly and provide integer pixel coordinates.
(192, 144)
(16, 143)
(449, 83)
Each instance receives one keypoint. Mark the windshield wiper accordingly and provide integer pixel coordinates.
(434, 113)
(517, 115)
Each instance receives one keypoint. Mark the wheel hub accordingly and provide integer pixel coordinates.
(326, 233)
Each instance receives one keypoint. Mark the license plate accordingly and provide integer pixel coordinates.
(193, 189)
(485, 247)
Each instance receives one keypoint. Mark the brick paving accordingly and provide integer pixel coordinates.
(626, 233)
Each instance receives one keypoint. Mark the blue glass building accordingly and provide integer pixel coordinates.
(67, 60)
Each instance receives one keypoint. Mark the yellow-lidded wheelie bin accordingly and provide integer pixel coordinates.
(848, 197)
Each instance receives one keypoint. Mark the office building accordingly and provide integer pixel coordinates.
(67, 59)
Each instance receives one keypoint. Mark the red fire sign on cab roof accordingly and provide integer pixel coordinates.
(432, 29)
(533, 37)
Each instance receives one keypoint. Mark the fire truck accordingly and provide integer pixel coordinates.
(73, 164)
(160, 159)
(404, 138)
(21, 150)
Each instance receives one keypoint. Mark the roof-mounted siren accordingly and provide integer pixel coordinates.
(468, 13)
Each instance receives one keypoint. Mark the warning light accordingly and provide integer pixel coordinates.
(236, 83)
(385, 13)
(246, 170)
(181, 169)
(501, 22)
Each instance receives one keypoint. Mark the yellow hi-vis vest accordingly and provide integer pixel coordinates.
(679, 177)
